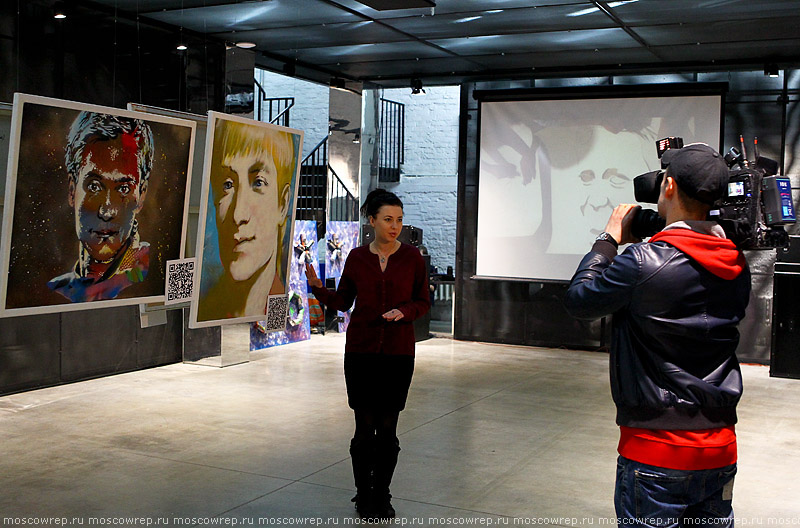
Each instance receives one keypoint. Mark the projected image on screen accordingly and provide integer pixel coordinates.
(552, 171)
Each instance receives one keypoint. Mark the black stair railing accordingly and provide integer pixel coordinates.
(313, 187)
(317, 193)
(343, 205)
(273, 110)
(391, 140)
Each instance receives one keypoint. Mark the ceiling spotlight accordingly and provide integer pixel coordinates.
(59, 11)
(245, 45)
(416, 87)
(771, 70)
(182, 47)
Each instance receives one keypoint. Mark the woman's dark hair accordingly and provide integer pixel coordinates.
(378, 198)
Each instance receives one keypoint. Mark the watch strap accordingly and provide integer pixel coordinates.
(606, 237)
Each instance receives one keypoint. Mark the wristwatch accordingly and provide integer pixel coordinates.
(605, 236)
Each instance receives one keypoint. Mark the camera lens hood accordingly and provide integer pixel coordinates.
(646, 187)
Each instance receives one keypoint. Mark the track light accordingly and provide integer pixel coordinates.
(416, 87)
(771, 70)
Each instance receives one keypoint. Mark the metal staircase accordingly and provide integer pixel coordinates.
(319, 198)
(312, 190)
(317, 194)
(275, 108)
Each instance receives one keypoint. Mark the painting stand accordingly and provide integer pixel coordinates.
(215, 346)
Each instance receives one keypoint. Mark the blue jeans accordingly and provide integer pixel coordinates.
(654, 497)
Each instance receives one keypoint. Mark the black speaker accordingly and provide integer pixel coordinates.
(422, 326)
(785, 351)
(409, 235)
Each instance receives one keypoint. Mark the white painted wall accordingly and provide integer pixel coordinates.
(428, 180)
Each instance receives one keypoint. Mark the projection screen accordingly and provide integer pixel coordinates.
(552, 170)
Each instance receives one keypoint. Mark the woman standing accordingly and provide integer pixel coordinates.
(388, 281)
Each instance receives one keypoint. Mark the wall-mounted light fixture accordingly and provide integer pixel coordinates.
(416, 87)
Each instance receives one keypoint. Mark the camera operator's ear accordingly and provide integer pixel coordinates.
(670, 186)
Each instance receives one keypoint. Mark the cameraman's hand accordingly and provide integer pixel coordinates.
(619, 225)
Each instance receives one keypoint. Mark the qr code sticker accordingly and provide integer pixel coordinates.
(180, 281)
(276, 313)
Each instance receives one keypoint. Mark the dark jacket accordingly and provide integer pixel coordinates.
(674, 336)
(403, 285)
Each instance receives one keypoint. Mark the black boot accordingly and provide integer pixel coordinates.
(386, 452)
(362, 455)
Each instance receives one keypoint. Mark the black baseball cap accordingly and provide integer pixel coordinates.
(699, 170)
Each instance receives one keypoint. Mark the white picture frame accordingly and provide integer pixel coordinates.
(44, 143)
(210, 265)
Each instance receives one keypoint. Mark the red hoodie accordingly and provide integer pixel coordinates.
(689, 450)
(718, 255)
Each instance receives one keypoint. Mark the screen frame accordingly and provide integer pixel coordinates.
(719, 89)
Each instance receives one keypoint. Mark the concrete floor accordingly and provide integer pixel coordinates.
(491, 434)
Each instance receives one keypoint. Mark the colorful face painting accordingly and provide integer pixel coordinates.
(244, 239)
(342, 237)
(96, 203)
(298, 325)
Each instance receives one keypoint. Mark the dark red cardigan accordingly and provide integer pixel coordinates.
(403, 285)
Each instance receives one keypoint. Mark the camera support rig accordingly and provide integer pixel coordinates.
(758, 203)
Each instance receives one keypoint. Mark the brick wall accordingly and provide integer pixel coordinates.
(428, 180)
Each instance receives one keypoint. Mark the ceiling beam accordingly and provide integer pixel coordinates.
(400, 31)
(608, 11)
(205, 4)
(600, 70)
(387, 5)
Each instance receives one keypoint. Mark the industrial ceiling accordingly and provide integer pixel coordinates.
(460, 40)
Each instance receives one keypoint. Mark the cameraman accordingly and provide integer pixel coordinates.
(676, 302)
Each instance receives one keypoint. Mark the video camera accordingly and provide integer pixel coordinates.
(757, 205)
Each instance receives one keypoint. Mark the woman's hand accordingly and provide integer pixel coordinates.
(311, 276)
(393, 315)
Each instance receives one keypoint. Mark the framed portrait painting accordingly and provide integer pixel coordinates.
(96, 203)
(245, 230)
